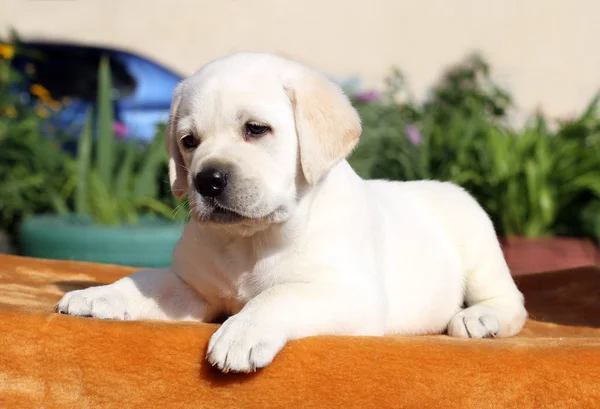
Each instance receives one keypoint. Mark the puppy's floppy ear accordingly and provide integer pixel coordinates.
(177, 170)
(327, 124)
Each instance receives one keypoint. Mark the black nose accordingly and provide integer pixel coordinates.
(210, 182)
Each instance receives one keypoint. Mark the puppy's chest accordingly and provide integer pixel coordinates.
(237, 280)
(228, 276)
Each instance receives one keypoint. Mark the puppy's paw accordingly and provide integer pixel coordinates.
(98, 302)
(243, 345)
(475, 322)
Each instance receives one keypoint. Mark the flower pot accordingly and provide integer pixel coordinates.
(534, 255)
(70, 237)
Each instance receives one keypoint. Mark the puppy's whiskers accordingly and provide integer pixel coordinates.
(183, 166)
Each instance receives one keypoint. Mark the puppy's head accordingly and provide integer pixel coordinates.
(250, 132)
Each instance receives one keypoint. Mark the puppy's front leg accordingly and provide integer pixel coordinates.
(148, 294)
(250, 339)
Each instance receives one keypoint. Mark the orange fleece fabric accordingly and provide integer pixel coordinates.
(56, 361)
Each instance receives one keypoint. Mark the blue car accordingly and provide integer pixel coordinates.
(143, 88)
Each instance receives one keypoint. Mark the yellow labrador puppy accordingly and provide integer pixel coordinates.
(289, 242)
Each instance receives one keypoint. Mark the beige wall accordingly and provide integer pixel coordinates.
(545, 51)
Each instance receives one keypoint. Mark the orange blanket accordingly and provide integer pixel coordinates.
(55, 361)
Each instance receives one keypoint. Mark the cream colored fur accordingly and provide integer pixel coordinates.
(300, 245)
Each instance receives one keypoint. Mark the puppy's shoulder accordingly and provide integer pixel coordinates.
(422, 188)
(436, 190)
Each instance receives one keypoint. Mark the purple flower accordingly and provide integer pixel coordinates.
(413, 135)
(120, 129)
(368, 96)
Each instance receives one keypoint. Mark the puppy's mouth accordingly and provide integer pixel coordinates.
(216, 213)
(221, 214)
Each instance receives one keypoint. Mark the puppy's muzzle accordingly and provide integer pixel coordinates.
(211, 182)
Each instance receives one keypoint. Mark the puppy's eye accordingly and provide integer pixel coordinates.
(189, 142)
(254, 130)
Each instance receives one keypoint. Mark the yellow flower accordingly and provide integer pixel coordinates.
(42, 112)
(10, 111)
(40, 92)
(53, 104)
(7, 51)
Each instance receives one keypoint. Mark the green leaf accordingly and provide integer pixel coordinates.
(589, 181)
(58, 203)
(156, 206)
(124, 177)
(104, 206)
(105, 153)
(84, 152)
(145, 185)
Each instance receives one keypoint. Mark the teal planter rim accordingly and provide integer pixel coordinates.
(72, 237)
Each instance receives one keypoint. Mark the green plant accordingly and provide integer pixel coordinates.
(33, 171)
(533, 181)
(111, 182)
(583, 135)
(32, 168)
(440, 138)
(110, 194)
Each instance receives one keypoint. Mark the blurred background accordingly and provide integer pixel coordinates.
(498, 97)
